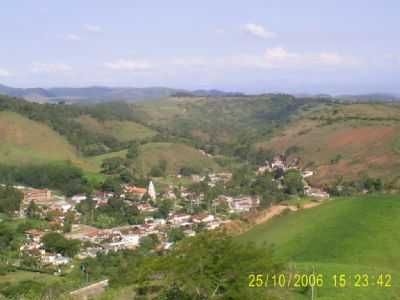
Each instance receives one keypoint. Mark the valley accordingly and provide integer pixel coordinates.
(315, 179)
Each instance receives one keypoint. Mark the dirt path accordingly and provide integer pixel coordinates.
(266, 215)
(271, 212)
(92, 290)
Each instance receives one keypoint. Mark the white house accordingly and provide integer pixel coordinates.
(56, 260)
(78, 198)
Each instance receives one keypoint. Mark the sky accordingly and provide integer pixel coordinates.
(308, 46)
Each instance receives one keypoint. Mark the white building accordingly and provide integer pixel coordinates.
(56, 260)
(151, 191)
(306, 174)
(78, 198)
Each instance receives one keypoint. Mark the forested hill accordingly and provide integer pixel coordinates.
(91, 129)
(338, 140)
(227, 123)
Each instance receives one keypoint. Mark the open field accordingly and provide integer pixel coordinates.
(343, 236)
(26, 141)
(176, 156)
(121, 130)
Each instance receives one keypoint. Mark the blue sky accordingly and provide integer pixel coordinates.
(253, 46)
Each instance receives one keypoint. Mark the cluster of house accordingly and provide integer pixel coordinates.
(33, 246)
(279, 162)
(119, 238)
(238, 204)
(129, 237)
(213, 178)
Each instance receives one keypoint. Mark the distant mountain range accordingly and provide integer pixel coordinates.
(104, 94)
(374, 97)
(95, 94)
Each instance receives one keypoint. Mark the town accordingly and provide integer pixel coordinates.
(155, 223)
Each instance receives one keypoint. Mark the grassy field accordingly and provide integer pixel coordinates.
(176, 156)
(26, 141)
(98, 160)
(343, 236)
(121, 130)
(19, 276)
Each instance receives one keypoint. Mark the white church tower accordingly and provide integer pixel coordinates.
(151, 191)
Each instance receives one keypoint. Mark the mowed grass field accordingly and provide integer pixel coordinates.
(121, 130)
(25, 141)
(343, 236)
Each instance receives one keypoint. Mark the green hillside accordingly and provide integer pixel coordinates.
(349, 235)
(348, 140)
(25, 141)
(221, 119)
(123, 131)
(176, 155)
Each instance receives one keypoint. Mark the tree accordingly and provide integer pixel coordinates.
(87, 208)
(187, 171)
(175, 234)
(10, 200)
(56, 242)
(160, 169)
(69, 220)
(133, 150)
(112, 165)
(293, 182)
(212, 265)
(33, 211)
(164, 208)
(112, 184)
(30, 261)
(148, 242)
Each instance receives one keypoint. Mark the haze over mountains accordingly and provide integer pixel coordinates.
(95, 94)
(103, 94)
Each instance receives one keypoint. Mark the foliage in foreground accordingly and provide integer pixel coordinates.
(212, 266)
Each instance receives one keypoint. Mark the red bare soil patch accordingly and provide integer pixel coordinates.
(363, 135)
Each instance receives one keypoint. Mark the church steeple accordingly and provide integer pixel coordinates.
(151, 191)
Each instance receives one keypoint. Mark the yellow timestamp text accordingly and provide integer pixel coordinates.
(283, 280)
(310, 280)
(343, 280)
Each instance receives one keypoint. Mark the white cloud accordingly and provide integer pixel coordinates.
(4, 73)
(128, 65)
(279, 53)
(49, 67)
(258, 31)
(92, 28)
(72, 37)
(331, 58)
(271, 58)
(190, 62)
